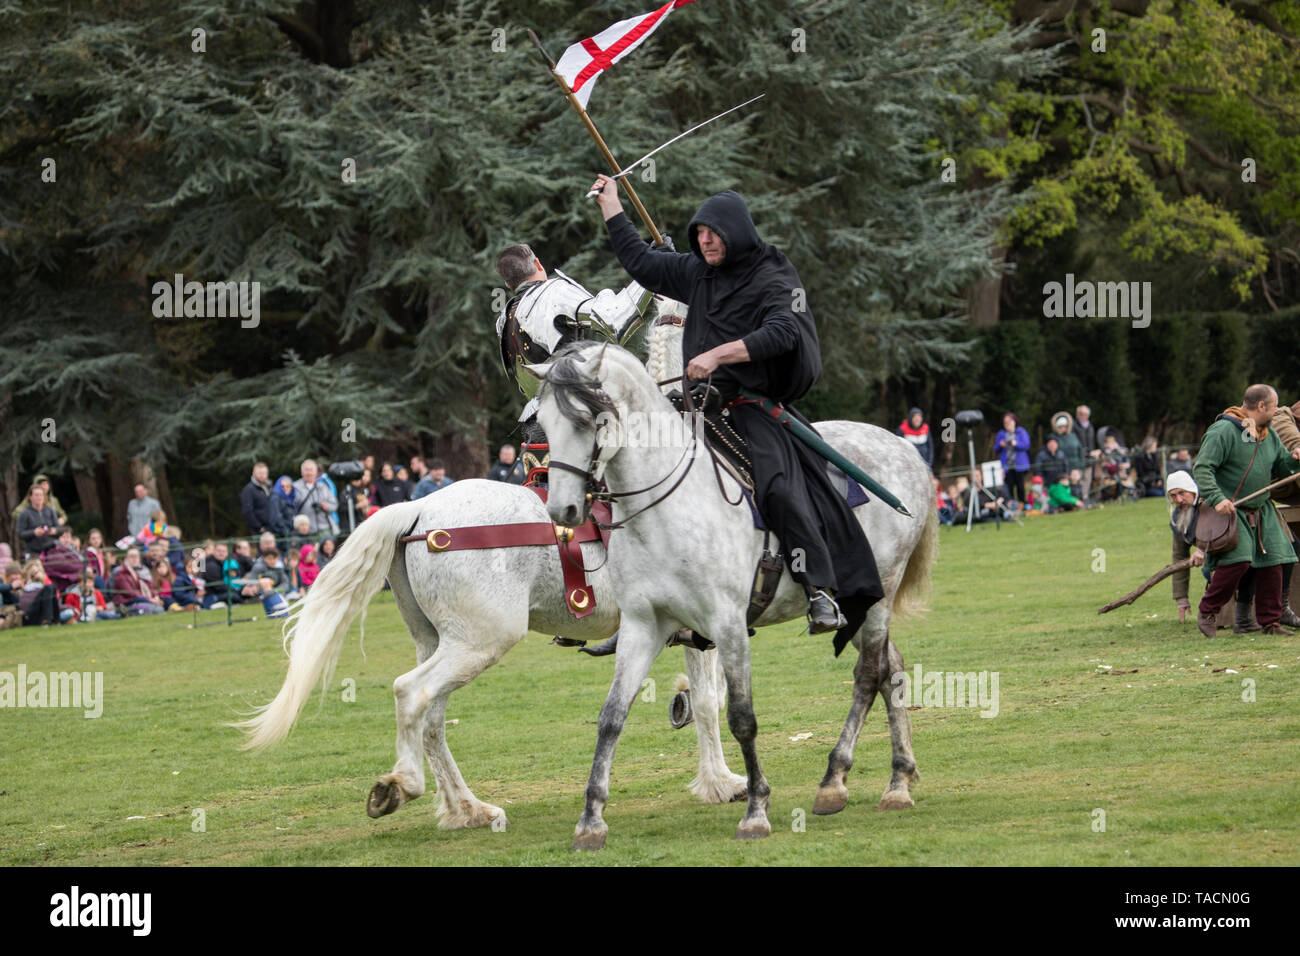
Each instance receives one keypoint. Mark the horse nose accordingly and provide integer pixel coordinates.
(571, 516)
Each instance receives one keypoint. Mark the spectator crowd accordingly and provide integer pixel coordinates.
(59, 577)
(1077, 466)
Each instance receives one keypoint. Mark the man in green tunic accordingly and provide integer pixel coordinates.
(1262, 543)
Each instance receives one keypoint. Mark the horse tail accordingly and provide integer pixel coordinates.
(314, 632)
(913, 596)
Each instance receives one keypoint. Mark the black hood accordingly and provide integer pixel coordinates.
(754, 283)
(728, 216)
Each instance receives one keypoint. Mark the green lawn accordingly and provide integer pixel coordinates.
(1185, 770)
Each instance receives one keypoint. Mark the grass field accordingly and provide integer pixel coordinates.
(1185, 770)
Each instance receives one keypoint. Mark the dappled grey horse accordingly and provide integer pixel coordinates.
(686, 555)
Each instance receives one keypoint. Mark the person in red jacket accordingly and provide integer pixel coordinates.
(917, 433)
(88, 601)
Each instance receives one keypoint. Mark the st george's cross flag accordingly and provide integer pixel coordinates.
(583, 62)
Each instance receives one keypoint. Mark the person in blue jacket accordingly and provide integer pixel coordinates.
(1012, 444)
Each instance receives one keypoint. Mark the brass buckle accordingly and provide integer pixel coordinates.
(578, 599)
(432, 539)
(563, 534)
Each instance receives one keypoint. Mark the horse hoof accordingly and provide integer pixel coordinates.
(589, 839)
(384, 799)
(831, 799)
(753, 829)
(896, 800)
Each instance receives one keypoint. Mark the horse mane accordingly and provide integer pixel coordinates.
(578, 397)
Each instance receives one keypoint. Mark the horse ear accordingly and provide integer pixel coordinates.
(600, 361)
(537, 371)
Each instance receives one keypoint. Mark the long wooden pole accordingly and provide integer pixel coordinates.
(600, 142)
(1263, 491)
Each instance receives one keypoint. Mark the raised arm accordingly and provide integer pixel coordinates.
(667, 273)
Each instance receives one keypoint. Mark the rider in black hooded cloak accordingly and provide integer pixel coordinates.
(749, 326)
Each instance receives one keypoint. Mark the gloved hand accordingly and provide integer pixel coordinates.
(665, 246)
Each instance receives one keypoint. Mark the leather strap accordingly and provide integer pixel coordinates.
(766, 578)
(579, 597)
(1246, 472)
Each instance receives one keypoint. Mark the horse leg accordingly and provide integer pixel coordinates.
(406, 781)
(637, 649)
(833, 792)
(897, 795)
(715, 783)
(457, 808)
(740, 718)
(421, 696)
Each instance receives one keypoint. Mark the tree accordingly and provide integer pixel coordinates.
(364, 163)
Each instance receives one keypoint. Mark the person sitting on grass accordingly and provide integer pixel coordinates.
(62, 563)
(307, 566)
(13, 583)
(942, 503)
(39, 601)
(295, 579)
(164, 579)
(1061, 497)
(88, 601)
(131, 593)
(216, 580)
(269, 572)
(1038, 499)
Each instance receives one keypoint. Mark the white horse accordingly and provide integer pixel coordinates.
(678, 522)
(464, 610)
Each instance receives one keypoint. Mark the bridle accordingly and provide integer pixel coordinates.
(593, 474)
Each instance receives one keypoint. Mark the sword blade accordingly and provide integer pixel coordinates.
(632, 166)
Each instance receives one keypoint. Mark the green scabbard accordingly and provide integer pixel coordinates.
(819, 445)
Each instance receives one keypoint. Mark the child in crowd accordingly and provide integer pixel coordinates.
(327, 549)
(307, 566)
(87, 601)
(1061, 497)
(39, 600)
(13, 583)
(1038, 497)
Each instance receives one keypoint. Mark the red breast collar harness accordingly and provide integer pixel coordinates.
(579, 597)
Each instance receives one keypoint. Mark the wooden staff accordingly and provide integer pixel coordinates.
(600, 142)
(1150, 583)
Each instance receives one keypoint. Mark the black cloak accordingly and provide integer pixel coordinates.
(755, 295)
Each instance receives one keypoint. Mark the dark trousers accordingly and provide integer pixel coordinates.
(1268, 591)
(1016, 485)
(1246, 589)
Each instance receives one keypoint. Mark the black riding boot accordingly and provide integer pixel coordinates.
(823, 613)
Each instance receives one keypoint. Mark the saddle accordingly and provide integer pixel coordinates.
(728, 448)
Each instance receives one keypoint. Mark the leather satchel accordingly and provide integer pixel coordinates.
(1217, 533)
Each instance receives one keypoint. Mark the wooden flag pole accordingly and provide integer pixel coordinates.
(600, 142)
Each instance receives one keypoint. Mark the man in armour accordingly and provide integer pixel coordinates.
(546, 311)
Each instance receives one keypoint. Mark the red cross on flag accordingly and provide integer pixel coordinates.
(587, 59)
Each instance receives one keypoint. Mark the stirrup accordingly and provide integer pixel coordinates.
(824, 623)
